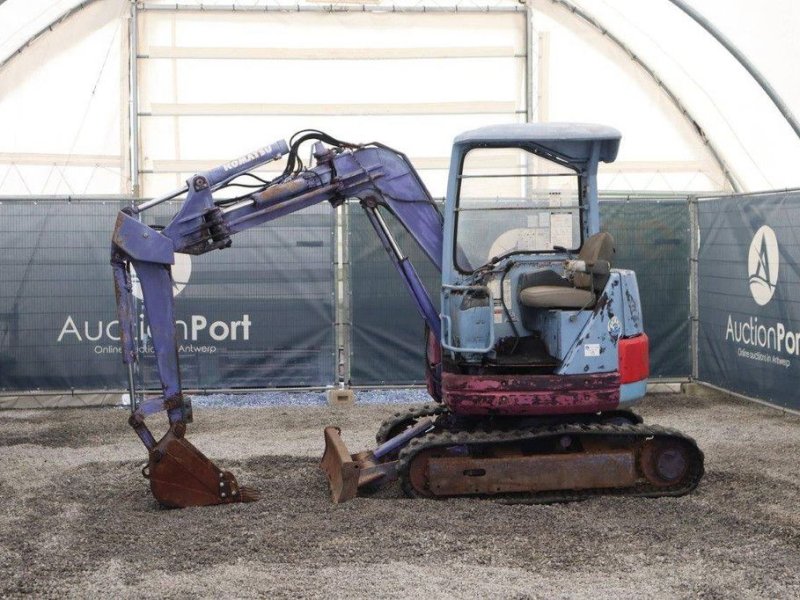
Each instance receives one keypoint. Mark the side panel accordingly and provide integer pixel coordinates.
(530, 394)
(594, 349)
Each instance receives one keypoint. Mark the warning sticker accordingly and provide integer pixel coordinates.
(591, 350)
(499, 315)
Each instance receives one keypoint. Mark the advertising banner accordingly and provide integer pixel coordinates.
(749, 295)
(259, 314)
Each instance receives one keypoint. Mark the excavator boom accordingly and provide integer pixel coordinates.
(377, 176)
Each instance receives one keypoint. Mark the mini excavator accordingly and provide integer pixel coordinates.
(533, 359)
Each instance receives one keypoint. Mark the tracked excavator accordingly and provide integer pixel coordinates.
(533, 358)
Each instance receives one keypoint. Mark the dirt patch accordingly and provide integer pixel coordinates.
(78, 518)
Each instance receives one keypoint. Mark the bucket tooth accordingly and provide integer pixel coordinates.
(181, 476)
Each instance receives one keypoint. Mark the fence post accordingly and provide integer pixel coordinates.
(342, 295)
(694, 311)
(134, 369)
(133, 100)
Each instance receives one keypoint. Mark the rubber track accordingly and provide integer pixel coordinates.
(415, 412)
(642, 489)
(434, 410)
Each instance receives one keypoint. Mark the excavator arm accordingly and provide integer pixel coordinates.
(377, 176)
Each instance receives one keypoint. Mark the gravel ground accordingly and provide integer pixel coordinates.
(78, 520)
(316, 398)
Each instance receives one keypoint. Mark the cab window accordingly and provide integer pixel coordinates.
(514, 201)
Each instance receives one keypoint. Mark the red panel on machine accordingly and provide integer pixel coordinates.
(634, 358)
(530, 394)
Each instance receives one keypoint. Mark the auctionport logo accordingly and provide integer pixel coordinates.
(762, 265)
(756, 339)
(194, 329)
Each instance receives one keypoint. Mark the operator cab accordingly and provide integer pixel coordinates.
(523, 249)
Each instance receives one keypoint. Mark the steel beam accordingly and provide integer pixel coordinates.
(694, 311)
(49, 27)
(743, 60)
(695, 124)
(133, 100)
(343, 292)
(329, 8)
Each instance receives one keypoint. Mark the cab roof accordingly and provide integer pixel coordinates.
(570, 141)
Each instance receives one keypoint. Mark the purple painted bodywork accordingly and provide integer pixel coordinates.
(527, 395)
(375, 175)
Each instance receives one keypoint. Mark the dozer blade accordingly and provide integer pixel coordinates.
(347, 473)
(180, 476)
(340, 468)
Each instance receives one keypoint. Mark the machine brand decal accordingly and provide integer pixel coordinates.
(614, 327)
(762, 265)
(591, 350)
(247, 158)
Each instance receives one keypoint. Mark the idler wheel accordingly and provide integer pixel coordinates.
(418, 472)
(665, 462)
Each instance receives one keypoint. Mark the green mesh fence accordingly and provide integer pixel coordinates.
(388, 333)
(653, 239)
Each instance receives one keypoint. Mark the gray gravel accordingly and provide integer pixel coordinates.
(304, 398)
(77, 518)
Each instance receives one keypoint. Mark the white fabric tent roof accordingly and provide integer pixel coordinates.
(687, 109)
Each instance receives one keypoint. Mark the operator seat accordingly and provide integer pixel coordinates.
(548, 289)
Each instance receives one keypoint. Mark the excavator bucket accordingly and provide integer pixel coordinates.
(346, 472)
(180, 476)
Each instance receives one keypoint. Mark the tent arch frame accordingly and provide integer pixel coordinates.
(578, 13)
